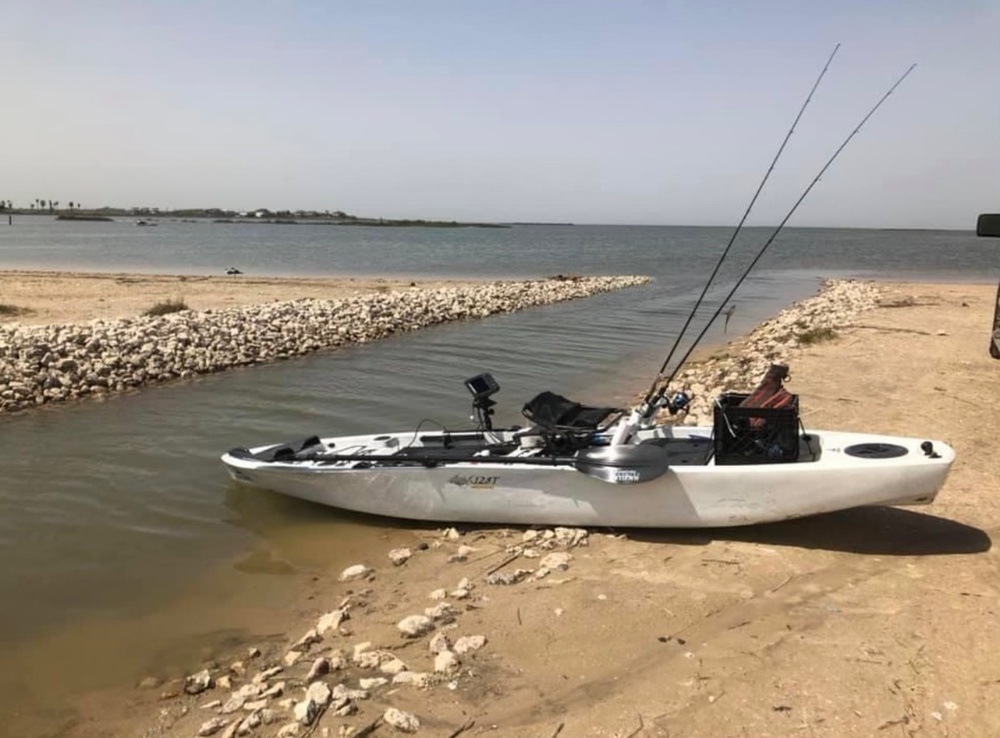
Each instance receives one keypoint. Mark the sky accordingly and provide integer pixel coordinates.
(610, 111)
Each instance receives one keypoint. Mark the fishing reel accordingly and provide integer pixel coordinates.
(676, 403)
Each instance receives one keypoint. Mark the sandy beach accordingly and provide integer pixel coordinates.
(44, 297)
(867, 622)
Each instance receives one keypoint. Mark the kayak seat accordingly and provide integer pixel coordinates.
(552, 412)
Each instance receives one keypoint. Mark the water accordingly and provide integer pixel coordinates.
(115, 512)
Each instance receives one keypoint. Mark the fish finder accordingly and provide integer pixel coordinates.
(482, 386)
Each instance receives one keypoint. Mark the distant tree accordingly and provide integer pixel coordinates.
(32, 206)
(56, 204)
(70, 204)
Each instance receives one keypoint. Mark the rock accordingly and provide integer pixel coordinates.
(529, 536)
(446, 662)
(392, 665)
(439, 642)
(319, 667)
(556, 561)
(351, 573)
(399, 556)
(452, 534)
(152, 682)
(331, 621)
(317, 697)
(198, 683)
(312, 636)
(289, 730)
(438, 594)
(468, 644)
(508, 577)
(412, 678)
(441, 612)
(374, 682)
(415, 626)
(400, 720)
(263, 676)
(213, 726)
(291, 658)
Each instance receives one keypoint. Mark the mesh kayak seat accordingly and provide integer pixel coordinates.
(552, 412)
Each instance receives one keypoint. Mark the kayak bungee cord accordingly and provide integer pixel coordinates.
(736, 232)
(653, 400)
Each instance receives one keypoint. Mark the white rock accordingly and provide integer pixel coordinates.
(358, 571)
(303, 643)
(439, 642)
(373, 683)
(446, 662)
(292, 658)
(415, 626)
(392, 665)
(399, 556)
(468, 644)
(360, 648)
(438, 594)
(460, 594)
(198, 683)
(441, 611)
(412, 678)
(553, 561)
(452, 534)
(319, 693)
(400, 720)
(529, 536)
(319, 667)
(331, 621)
(210, 727)
(289, 730)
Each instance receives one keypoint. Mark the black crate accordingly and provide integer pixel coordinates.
(752, 435)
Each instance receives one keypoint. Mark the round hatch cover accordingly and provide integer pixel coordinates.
(875, 450)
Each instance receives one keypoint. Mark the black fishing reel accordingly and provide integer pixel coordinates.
(678, 401)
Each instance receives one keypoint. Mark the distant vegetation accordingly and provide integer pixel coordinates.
(74, 211)
(816, 335)
(166, 307)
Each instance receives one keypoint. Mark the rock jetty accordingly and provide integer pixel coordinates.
(56, 363)
(836, 307)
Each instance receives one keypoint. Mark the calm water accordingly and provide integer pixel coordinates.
(111, 512)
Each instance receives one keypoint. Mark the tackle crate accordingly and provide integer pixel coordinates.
(755, 435)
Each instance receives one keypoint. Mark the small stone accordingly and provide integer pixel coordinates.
(446, 662)
(210, 727)
(253, 652)
(374, 682)
(289, 730)
(415, 626)
(439, 642)
(529, 536)
(452, 534)
(400, 720)
(198, 683)
(263, 676)
(412, 678)
(312, 636)
(224, 682)
(319, 667)
(392, 665)
(399, 556)
(152, 682)
(351, 573)
(292, 658)
(554, 561)
(438, 594)
(442, 611)
(460, 594)
(211, 705)
(468, 644)
(331, 621)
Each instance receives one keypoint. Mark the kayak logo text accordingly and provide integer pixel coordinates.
(476, 481)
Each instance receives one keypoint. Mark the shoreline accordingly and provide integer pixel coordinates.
(724, 627)
(61, 362)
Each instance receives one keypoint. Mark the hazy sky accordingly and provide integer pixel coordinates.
(618, 111)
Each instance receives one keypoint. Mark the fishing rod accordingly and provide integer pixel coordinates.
(739, 227)
(777, 230)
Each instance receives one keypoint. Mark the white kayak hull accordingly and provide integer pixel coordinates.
(688, 495)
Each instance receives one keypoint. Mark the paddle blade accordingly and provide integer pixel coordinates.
(622, 464)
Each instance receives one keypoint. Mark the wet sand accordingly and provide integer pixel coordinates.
(874, 621)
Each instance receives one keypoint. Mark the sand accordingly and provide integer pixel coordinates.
(43, 298)
(867, 622)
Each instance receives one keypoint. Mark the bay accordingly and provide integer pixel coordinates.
(115, 511)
